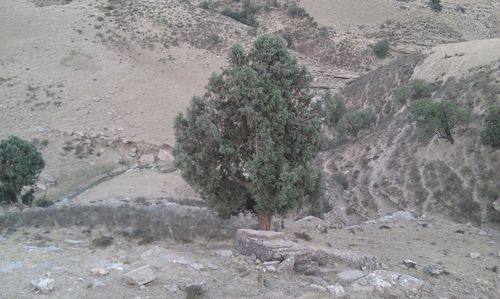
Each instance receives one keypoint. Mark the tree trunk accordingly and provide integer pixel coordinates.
(265, 219)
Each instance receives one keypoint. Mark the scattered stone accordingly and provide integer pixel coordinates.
(482, 233)
(410, 264)
(43, 285)
(287, 265)
(382, 279)
(496, 205)
(196, 266)
(433, 270)
(172, 288)
(146, 159)
(474, 255)
(350, 275)
(318, 287)
(323, 229)
(99, 271)
(166, 166)
(103, 241)
(139, 276)
(337, 290)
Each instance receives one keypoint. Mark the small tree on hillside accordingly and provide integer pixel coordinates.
(490, 134)
(334, 109)
(249, 142)
(381, 48)
(20, 165)
(354, 122)
(437, 118)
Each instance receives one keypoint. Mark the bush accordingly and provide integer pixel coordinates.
(437, 118)
(490, 134)
(381, 48)
(436, 5)
(416, 89)
(249, 142)
(296, 11)
(334, 109)
(353, 122)
(20, 165)
(246, 15)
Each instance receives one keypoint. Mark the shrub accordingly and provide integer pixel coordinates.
(436, 5)
(250, 141)
(437, 118)
(353, 122)
(381, 48)
(296, 11)
(334, 109)
(20, 165)
(416, 89)
(490, 134)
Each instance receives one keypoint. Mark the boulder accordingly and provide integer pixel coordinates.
(382, 279)
(43, 285)
(164, 156)
(146, 159)
(287, 265)
(350, 275)
(337, 290)
(266, 246)
(474, 255)
(99, 271)
(139, 276)
(496, 205)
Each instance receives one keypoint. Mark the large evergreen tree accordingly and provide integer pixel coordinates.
(20, 165)
(249, 142)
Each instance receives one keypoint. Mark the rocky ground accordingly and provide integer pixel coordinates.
(392, 257)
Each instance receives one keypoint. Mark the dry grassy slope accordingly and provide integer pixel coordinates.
(389, 169)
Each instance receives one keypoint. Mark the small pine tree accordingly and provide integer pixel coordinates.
(249, 142)
(437, 118)
(490, 134)
(20, 165)
(354, 122)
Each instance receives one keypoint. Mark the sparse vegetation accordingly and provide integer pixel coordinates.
(194, 291)
(416, 89)
(249, 142)
(20, 165)
(296, 11)
(247, 14)
(490, 134)
(354, 122)
(436, 5)
(437, 118)
(334, 109)
(381, 48)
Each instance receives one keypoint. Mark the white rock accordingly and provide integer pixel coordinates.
(337, 290)
(381, 279)
(44, 285)
(165, 156)
(318, 287)
(496, 205)
(100, 271)
(474, 255)
(139, 276)
(224, 253)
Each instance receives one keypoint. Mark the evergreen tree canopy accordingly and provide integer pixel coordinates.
(20, 165)
(249, 142)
